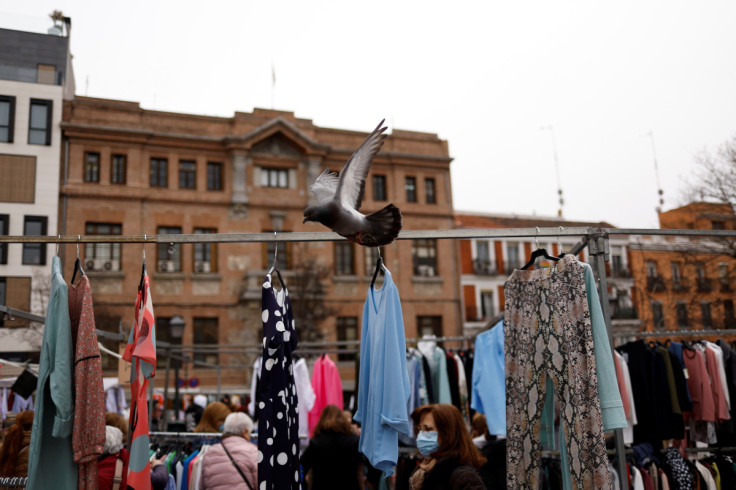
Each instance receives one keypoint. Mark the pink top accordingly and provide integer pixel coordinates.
(327, 389)
(717, 386)
(699, 385)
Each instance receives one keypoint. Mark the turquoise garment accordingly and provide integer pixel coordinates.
(489, 379)
(50, 463)
(383, 388)
(612, 408)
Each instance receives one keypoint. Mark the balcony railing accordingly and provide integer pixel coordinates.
(655, 283)
(681, 286)
(725, 286)
(620, 273)
(484, 268)
(729, 323)
(704, 285)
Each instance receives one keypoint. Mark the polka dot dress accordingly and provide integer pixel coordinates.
(278, 419)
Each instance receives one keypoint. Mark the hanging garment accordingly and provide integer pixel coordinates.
(631, 418)
(51, 463)
(699, 386)
(3, 404)
(462, 386)
(89, 402)
(20, 403)
(721, 371)
(384, 381)
(719, 396)
(115, 400)
(548, 333)
(278, 423)
(676, 349)
(141, 353)
(327, 388)
(437, 361)
(305, 393)
(252, 405)
(489, 385)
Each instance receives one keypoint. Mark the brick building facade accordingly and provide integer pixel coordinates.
(687, 282)
(129, 171)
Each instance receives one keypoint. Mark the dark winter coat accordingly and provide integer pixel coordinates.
(448, 474)
(334, 460)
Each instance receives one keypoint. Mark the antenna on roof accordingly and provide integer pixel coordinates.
(561, 199)
(660, 192)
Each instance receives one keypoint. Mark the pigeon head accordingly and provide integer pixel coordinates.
(316, 213)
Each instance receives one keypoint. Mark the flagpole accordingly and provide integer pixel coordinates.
(273, 84)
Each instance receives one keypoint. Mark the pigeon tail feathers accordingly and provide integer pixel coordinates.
(383, 227)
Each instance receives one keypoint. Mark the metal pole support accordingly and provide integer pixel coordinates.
(600, 252)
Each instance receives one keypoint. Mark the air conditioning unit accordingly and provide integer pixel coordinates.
(112, 265)
(89, 265)
(162, 265)
(170, 266)
(202, 267)
(99, 265)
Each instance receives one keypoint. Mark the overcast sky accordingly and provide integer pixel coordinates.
(603, 75)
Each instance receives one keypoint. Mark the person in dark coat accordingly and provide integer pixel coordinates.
(332, 456)
(451, 460)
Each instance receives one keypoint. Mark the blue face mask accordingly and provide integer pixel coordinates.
(427, 443)
(222, 427)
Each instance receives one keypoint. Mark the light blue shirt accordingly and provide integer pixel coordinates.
(50, 463)
(489, 379)
(383, 379)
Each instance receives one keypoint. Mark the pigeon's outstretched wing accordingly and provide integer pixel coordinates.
(351, 183)
(325, 186)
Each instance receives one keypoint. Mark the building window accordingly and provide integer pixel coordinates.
(7, 118)
(487, 306)
(102, 256)
(4, 230)
(34, 253)
(206, 333)
(168, 262)
(347, 330)
(651, 268)
(371, 257)
(344, 259)
(39, 125)
(728, 314)
(482, 264)
(657, 314)
(676, 277)
(3, 289)
(429, 325)
(159, 172)
(682, 320)
(410, 184)
(187, 174)
(719, 225)
(46, 74)
(214, 176)
(91, 167)
(703, 282)
(205, 254)
(429, 191)
(424, 257)
(275, 177)
(513, 260)
(723, 278)
(705, 311)
(119, 170)
(379, 187)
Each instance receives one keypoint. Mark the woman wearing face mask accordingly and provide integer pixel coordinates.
(450, 457)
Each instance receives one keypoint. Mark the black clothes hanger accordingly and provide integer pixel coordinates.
(77, 263)
(379, 267)
(539, 252)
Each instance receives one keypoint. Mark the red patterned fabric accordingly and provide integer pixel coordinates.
(141, 352)
(88, 436)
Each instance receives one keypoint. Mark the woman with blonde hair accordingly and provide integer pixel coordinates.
(213, 418)
(14, 451)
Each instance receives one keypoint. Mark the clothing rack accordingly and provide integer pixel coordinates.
(595, 239)
(679, 333)
(13, 482)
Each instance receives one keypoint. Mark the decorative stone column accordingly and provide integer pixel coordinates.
(239, 200)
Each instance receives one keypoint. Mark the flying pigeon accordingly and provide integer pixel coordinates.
(339, 199)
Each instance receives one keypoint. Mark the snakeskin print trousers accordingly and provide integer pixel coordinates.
(548, 334)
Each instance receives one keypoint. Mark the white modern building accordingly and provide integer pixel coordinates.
(35, 77)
